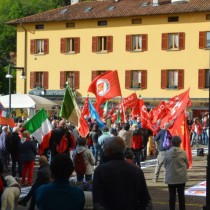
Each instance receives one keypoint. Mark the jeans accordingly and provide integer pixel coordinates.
(80, 177)
(137, 156)
(195, 137)
(95, 148)
(179, 188)
(204, 137)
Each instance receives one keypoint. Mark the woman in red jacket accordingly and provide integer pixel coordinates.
(28, 152)
(196, 131)
(137, 144)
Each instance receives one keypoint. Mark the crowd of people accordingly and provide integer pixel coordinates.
(106, 158)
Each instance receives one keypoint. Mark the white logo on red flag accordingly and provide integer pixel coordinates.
(102, 86)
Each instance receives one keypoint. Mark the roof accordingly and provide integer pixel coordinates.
(114, 9)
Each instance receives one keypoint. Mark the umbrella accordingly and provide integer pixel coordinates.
(26, 101)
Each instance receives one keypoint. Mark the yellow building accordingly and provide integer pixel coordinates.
(160, 48)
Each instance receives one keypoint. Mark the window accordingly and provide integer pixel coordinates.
(69, 77)
(203, 78)
(102, 44)
(39, 46)
(97, 73)
(136, 79)
(136, 21)
(70, 45)
(172, 79)
(204, 40)
(136, 42)
(39, 26)
(70, 25)
(39, 79)
(173, 19)
(173, 41)
(102, 23)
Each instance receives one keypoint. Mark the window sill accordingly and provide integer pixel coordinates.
(173, 49)
(137, 50)
(102, 52)
(69, 53)
(38, 54)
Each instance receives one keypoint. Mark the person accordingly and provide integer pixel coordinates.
(94, 135)
(160, 138)
(60, 194)
(137, 144)
(86, 163)
(117, 184)
(176, 165)
(62, 132)
(4, 154)
(205, 124)
(105, 135)
(43, 177)
(15, 153)
(127, 135)
(3, 183)
(196, 131)
(28, 153)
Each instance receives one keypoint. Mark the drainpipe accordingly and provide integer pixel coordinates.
(25, 58)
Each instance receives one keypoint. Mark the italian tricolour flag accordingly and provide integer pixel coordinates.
(40, 128)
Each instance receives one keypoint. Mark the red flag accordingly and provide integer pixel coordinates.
(85, 110)
(158, 112)
(180, 129)
(83, 127)
(176, 106)
(105, 86)
(145, 119)
(130, 101)
(98, 109)
(7, 121)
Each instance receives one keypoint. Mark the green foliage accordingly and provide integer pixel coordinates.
(11, 10)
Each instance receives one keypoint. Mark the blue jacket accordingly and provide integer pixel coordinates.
(59, 195)
(27, 150)
(160, 138)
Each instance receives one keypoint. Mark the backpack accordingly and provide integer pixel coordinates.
(79, 163)
(167, 144)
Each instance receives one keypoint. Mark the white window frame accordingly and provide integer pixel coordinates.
(70, 45)
(40, 46)
(136, 79)
(207, 82)
(173, 41)
(173, 77)
(102, 44)
(137, 42)
(39, 79)
(70, 78)
(208, 39)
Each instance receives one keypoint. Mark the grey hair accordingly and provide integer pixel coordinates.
(115, 145)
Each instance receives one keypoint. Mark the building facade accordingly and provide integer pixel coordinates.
(160, 48)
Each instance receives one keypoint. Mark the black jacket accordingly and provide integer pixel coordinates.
(118, 184)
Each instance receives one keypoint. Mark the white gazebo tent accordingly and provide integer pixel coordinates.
(27, 101)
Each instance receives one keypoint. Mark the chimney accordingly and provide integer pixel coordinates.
(155, 3)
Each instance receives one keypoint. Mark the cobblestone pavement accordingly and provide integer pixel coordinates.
(159, 191)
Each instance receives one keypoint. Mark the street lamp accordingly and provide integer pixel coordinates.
(9, 76)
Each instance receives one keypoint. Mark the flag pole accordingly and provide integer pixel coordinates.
(207, 206)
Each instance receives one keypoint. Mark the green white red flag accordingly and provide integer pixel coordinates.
(39, 127)
(105, 86)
